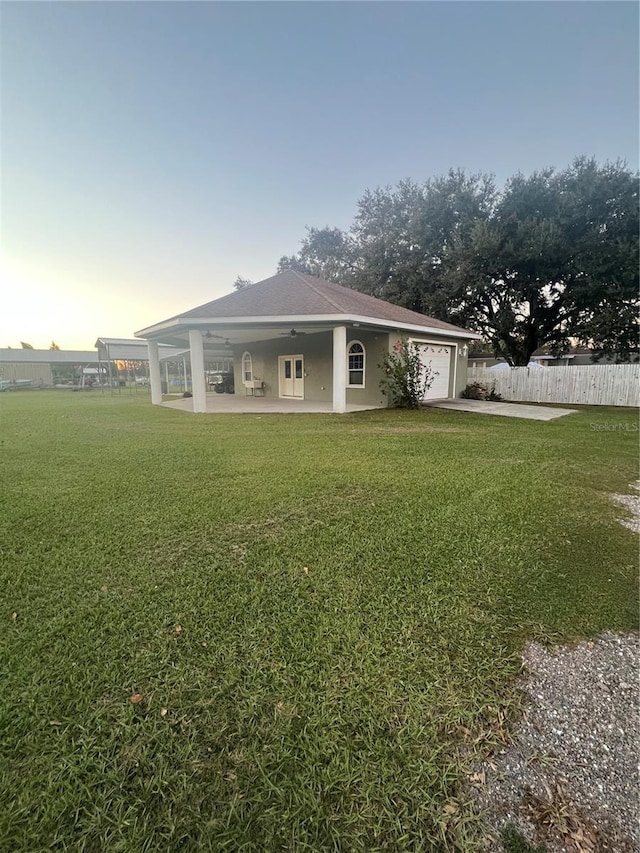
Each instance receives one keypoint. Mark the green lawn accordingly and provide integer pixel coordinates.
(329, 608)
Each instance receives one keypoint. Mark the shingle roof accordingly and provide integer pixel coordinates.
(293, 294)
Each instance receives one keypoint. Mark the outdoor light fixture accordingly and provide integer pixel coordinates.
(464, 351)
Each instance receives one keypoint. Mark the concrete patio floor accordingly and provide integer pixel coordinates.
(225, 404)
(507, 410)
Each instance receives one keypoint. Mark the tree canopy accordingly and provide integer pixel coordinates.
(549, 258)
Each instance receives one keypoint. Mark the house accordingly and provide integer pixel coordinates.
(297, 337)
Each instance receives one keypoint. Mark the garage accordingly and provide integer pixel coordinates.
(439, 356)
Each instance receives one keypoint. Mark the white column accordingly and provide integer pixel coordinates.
(340, 369)
(154, 373)
(198, 384)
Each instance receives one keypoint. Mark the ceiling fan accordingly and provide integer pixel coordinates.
(210, 336)
(292, 333)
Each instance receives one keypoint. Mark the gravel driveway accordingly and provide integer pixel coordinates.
(569, 779)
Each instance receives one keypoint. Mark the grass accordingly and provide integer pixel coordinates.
(514, 842)
(323, 615)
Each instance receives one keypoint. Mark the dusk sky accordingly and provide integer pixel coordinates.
(152, 152)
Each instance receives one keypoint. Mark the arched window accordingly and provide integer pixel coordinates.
(247, 367)
(355, 365)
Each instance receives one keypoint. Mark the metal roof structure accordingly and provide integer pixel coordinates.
(123, 349)
(48, 356)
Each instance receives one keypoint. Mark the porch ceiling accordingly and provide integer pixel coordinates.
(219, 333)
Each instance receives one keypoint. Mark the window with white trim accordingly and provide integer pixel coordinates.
(355, 365)
(247, 367)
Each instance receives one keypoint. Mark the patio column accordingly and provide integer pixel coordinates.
(154, 373)
(340, 369)
(198, 384)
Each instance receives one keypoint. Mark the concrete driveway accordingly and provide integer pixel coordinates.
(507, 410)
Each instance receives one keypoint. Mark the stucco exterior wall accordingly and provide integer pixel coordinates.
(462, 373)
(264, 356)
(317, 352)
(375, 344)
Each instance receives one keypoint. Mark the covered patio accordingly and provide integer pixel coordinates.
(226, 404)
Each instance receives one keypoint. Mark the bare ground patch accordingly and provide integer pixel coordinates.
(398, 430)
(632, 504)
(232, 542)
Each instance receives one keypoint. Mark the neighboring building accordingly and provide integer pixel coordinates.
(45, 368)
(575, 356)
(298, 337)
(115, 362)
(483, 360)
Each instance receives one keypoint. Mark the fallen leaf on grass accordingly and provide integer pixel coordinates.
(305, 569)
(462, 730)
(163, 712)
(178, 629)
(14, 616)
(450, 808)
(204, 644)
(137, 698)
(55, 723)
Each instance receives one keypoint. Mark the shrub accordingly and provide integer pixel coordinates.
(478, 391)
(475, 391)
(406, 379)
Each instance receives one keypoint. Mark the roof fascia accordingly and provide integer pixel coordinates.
(410, 327)
(185, 323)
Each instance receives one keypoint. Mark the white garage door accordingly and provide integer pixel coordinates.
(439, 355)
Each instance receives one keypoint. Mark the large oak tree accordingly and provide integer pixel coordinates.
(551, 258)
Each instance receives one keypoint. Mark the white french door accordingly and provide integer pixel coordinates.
(291, 376)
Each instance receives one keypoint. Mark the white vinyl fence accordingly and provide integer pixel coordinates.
(589, 384)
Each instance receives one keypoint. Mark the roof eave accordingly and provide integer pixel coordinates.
(185, 323)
